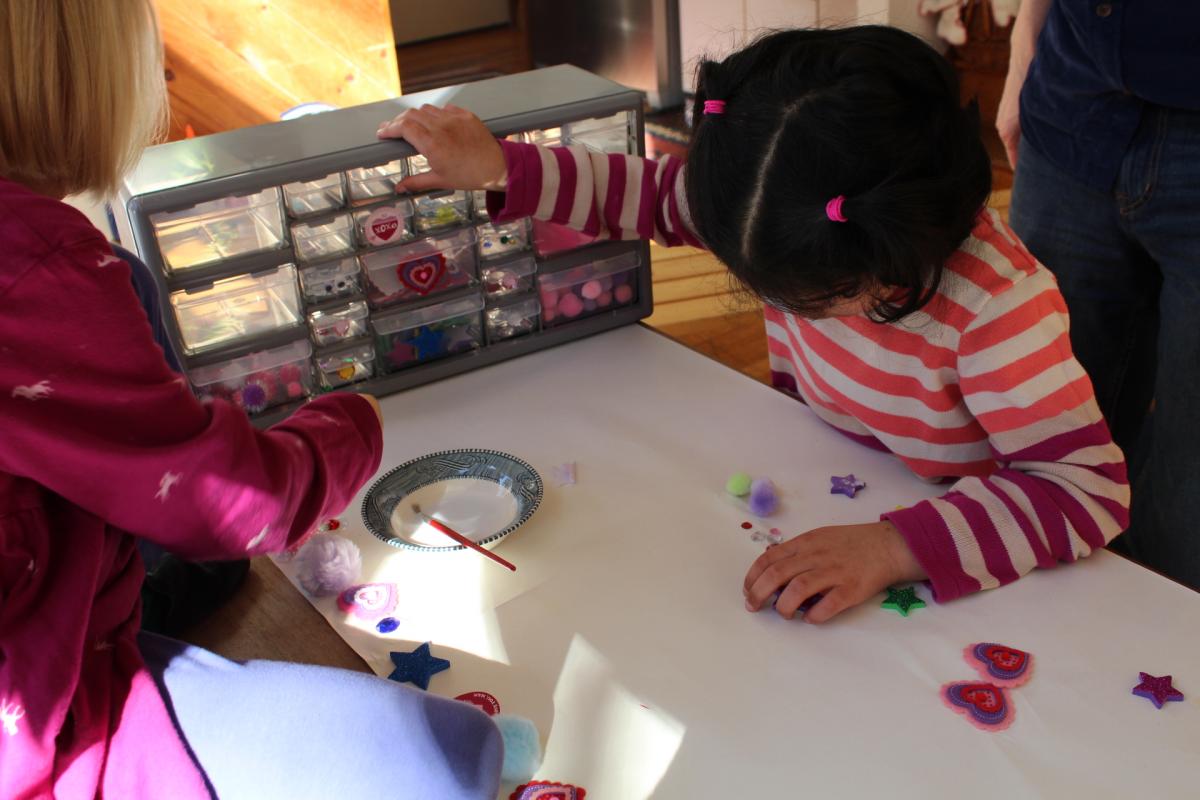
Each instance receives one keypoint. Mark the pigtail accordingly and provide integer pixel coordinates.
(842, 164)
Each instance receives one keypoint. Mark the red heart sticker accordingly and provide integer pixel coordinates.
(548, 790)
(1004, 658)
(985, 705)
(422, 275)
(999, 663)
(983, 696)
(382, 226)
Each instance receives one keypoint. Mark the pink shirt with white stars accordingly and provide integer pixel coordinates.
(101, 442)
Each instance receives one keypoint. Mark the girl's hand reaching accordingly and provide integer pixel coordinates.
(845, 563)
(462, 152)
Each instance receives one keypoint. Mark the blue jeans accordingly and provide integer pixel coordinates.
(1128, 264)
(266, 730)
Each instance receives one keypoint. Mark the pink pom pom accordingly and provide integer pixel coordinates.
(289, 373)
(623, 294)
(549, 299)
(605, 299)
(591, 290)
(327, 565)
(295, 389)
(570, 306)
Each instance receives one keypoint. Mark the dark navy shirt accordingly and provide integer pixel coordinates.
(1099, 66)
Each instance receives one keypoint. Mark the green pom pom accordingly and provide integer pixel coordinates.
(738, 484)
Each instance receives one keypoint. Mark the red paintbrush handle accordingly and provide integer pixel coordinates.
(465, 542)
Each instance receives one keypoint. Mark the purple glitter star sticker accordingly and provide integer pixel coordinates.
(1157, 690)
(847, 485)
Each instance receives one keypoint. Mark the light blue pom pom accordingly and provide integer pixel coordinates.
(522, 748)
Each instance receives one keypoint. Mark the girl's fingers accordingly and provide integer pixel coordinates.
(763, 562)
(421, 182)
(801, 588)
(835, 601)
(774, 578)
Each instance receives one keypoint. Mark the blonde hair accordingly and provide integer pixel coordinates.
(81, 91)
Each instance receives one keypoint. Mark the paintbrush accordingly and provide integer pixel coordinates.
(458, 537)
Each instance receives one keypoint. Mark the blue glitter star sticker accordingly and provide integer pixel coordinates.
(1157, 690)
(847, 485)
(417, 667)
(902, 600)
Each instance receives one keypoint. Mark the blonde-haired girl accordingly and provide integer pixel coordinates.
(100, 442)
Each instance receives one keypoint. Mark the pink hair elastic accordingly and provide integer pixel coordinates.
(714, 106)
(833, 209)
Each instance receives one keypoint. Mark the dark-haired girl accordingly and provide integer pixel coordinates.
(837, 176)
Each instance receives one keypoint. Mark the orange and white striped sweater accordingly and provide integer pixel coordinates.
(979, 387)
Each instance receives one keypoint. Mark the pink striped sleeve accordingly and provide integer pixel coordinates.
(1059, 490)
(608, 195)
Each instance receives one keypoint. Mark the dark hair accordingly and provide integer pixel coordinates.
(871, 113)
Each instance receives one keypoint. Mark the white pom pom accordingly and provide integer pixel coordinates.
(327, 564)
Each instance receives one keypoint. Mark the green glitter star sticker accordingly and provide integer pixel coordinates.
(903, 600)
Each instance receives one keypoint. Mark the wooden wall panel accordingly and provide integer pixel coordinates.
(233, 63)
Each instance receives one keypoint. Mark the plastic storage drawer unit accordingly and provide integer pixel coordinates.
(259, 380)
(220, 229)
(405, 338)
(588, 289)
(422, 268)
(237, 308)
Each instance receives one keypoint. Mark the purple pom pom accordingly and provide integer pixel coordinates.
(328, 565)
(763, 499)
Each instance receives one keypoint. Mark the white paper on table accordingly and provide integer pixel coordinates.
(626, 606)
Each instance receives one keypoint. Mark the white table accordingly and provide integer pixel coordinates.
(623, 636)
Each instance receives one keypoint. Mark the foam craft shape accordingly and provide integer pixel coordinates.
(369, 601)
(423, 274)
(547, 790)
(985, 705)
(1002, 665)
(1157, 689)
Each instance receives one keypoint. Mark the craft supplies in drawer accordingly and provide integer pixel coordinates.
(338, 324)
(547, 137)
(316, 241)
(417, 164)
(220, 229)
(516, 318)
(500, 240)
(305, 198)
(258, 381)
(419, 269)
(330, 279)
(369, 183)
(507, 277)
(380, 226)
(604, 135)
(407, 337)
(237, 308)
(433, 212)
(479, 204)
(341, 366)
(549, 238)
(588, 289)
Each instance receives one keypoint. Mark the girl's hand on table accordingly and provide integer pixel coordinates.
(846, 563)
(461, 151)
